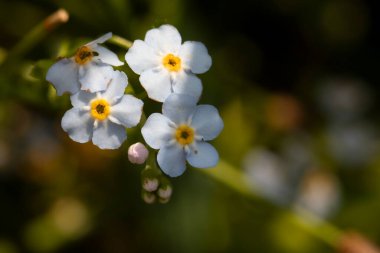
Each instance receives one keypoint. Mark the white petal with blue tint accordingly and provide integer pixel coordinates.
(107, 56)
(95, 76)
(187, 83)
(78, 124)
(165, 39)
(207, 122)
(195, 56)
(157, 131)
(171, 160)
(157, 84)
(116, 87)
(204, 155)
(64, 76)
(141, 57)
(127, 111)
(99, 40)
(179, 107)
(108, 135)
(82, 99)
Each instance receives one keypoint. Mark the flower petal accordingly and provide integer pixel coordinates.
(204, 155)
(172, 160)
(127, 111)
(157, 131)
(116, 86)
(82, 98)
(165, 39)
(195, 56)
(108, 135)
(101, 39)
(78, 124)
(179, 107)
(64, 76)
(107, 56)
(157, 84)
(141, 57)
(95, 76)
(207, 122)
(187, 83)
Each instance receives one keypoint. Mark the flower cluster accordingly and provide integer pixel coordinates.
(101, 111)
(167, 68)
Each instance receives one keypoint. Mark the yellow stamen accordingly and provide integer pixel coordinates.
(83, 55)
(172, 62)
(184, 135)
(100, 109)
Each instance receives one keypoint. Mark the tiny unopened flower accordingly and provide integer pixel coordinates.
(150, 184)
(149, 197)
(137, 153)
(89, 69)
(163, 201)
(353, 242)
(165, 192)
(181, 132)
(165, 65)
(103, 116)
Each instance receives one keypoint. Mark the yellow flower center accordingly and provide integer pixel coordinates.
(184, 135)
(100, 109)
(172, 62)
(83, 55)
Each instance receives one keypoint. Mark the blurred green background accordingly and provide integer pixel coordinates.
(296, 84)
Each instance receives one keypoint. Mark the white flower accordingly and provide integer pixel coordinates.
(180, 134)
(89, 69)
(103, 116)
(166, 66)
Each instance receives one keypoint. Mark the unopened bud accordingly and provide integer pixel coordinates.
(163, 201)
(59, 17)
(165, 192)
(150, 184)
(149, 197)
(353, 242)
(137, 153)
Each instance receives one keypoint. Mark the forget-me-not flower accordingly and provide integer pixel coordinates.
(181, 132)
(103, 116)
(166, 66)
(89, 69)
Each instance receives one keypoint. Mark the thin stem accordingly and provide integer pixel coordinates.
(230, 176)
(317, 227)
(120, 41)
(35, 35)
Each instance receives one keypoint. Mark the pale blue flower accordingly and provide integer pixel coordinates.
(181, 132)
(103, 116)
(89, 69)
(166, 66)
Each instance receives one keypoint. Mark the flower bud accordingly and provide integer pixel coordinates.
(150, 184)
(148, 197)
(165, 192)
(137, 153)
(163, 201)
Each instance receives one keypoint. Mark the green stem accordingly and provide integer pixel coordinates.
(38, 33)
(120, 41)
(228, 175)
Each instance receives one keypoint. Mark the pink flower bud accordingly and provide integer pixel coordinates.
(150, 184)
(165, 193)
(149, 197)
(137, 153)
